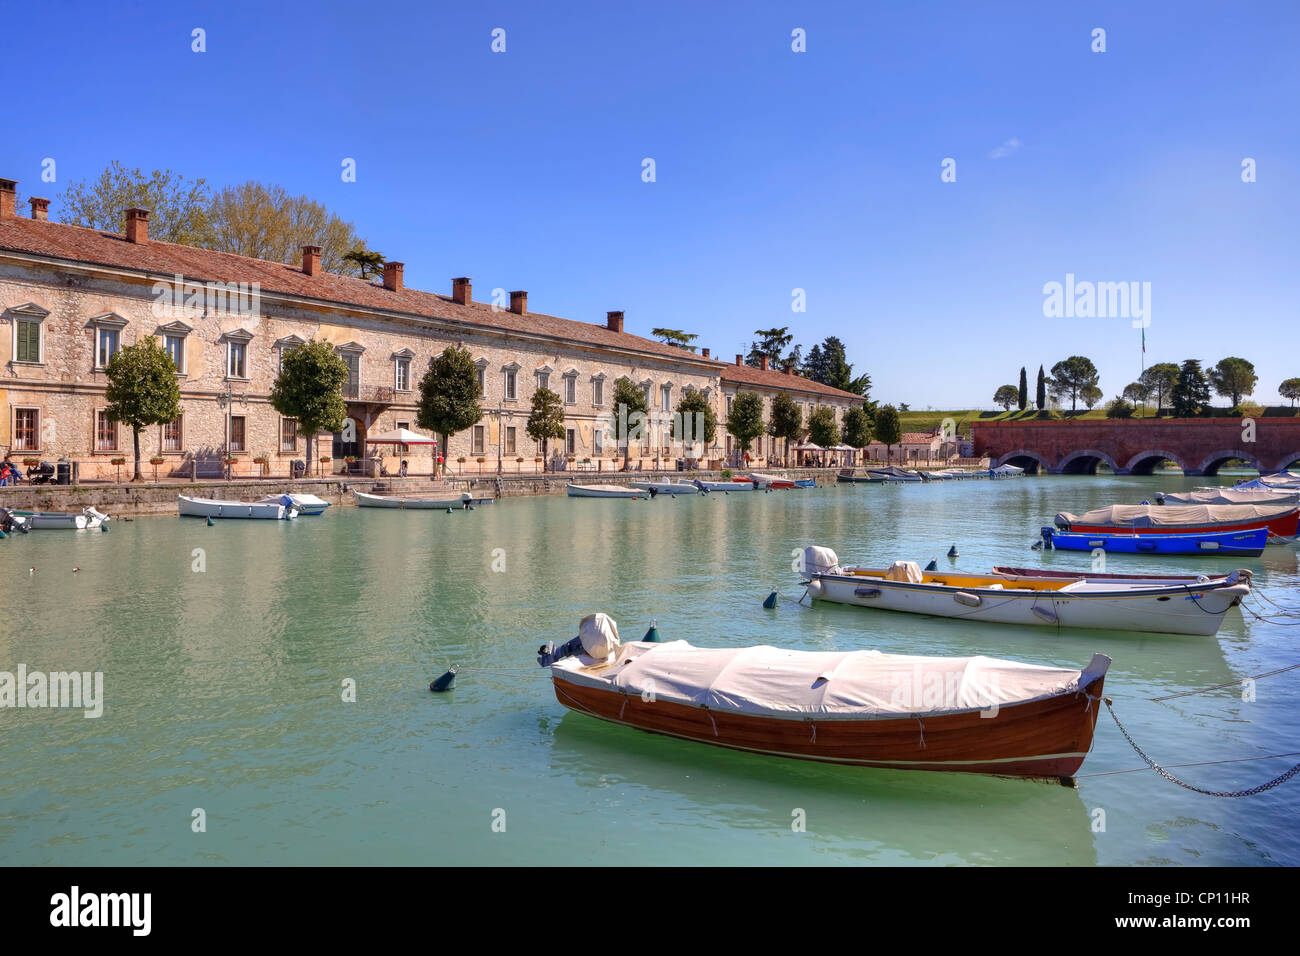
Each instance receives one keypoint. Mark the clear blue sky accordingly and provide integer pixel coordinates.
(775, 170)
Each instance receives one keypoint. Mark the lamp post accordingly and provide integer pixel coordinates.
(226, 400)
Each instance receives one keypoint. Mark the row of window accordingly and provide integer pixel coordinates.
(108, 433)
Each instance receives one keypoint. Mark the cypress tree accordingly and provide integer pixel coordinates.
(1024, 389)
(1041, 398)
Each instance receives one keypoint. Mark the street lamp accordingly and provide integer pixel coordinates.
(226, 400)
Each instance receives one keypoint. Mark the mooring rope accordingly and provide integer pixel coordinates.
(1231, 683)
(1202, 763)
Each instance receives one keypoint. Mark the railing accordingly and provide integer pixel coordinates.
(375, 394)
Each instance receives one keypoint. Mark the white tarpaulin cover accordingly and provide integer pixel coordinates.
(846, 684)
(599, 635)
(820, 560)
(1167, 516)
(1232, 496)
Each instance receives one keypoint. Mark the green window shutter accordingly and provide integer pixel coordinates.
(29, 341)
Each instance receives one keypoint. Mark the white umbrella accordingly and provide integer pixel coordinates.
(404, 436)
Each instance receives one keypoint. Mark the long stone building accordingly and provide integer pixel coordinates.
(70, 297)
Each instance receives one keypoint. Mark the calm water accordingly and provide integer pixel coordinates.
(223, 691)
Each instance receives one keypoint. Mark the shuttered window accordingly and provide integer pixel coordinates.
(29, 341)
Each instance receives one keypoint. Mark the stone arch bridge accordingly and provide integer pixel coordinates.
(1198, 446)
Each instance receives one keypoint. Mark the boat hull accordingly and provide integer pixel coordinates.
(1285, 526)
(1047, 738)
(666, 487)
(725, 486)
(1248, 544)
(412, 504)
(216, 508)
(86, 520)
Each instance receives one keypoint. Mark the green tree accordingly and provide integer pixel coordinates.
(365, 262)
(1137, 393)
(1006, 396)
(309, 389)
(1119, 408)
(449, 395)
(546, 420)
(1040, 396)
(178, 207)
(1233, 378)
(1191, 393)
(822, 429)
(745, 423)
(1290, 389)
(1159, 380)
(675, 337)
(857, 427)
(1022, 393)
(889, 428)
(1070, 376)
(142, 389)
(814, 366)
(1090, 395)
(772, 343)
(633, 408)
(692, 404)
(787, 420)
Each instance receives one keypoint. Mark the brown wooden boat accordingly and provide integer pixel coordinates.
(857, 707)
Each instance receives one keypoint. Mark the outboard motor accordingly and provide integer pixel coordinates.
(9, 524)
(597, 638)
(820, 561)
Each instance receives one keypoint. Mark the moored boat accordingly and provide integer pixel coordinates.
(1006, 471)
(863, 708)
(1229, 496)
(893, 474)
(218, 508)
(724, 486)
(84, 520)
(1245, 544)
(1282, 520)
(847, 476)
(772, 481)
(605, 491)
(666, 487)
(1042, 573)
(309, 505)
(412, 502)
(1159, 607)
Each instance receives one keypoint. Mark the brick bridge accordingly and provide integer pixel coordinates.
(1136, 447)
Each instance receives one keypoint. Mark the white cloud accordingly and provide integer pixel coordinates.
(1006, 149)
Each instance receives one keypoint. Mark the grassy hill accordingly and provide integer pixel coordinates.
(924, 421)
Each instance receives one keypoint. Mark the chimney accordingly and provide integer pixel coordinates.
(393, 276)
(763, 362)
(614, 321)
(462, 291)
(706, 353)
(8, 197)
(740, 359)
(519, 303)
(311, 260)
(40, 209)
(137, 226)
(789, 370)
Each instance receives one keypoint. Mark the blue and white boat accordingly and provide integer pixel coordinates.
(1249, 543)
(304, 504)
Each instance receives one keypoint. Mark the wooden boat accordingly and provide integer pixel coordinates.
(412, 502)
(217, 508)
(1016, 574)
(893, 474)
(1248, 544)
(863, 708)
(1282, 520)
(724, 486)
(1159, 607)
(86, 519)
(605, 491)
(308, 505)
(846, 476)
(666, 487)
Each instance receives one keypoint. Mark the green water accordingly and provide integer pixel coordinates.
(223, 691)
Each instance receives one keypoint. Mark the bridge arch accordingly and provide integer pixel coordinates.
(1031, 461)
(1085, 462)
(1146, 462)
(1211, 464)
(1285, 462)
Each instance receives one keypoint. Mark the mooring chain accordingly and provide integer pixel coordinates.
(1276, 781)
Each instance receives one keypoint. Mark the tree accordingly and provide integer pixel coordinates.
(1233, 378)
(1191, 393)
(857, 427)
(142, 390)
(1160, 379)
(1070, 376)
(814, 366)
(772, 343)
(1290, 389)
(692, 404)
(1090, 395)
(178, 207)
(822, 429)
(546, 421)
(309, 389)
(1137, 393)
(839, 373)
(675, 337)
(745, 423)
(1006, 396)
(1040, 397)
(366, 262)
(630, 402)
(787, 420)
(449, 395)
(889, 428)
(1022, 393)
(1119, 408)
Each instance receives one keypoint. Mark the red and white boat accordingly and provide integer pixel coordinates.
(865, 708)
(1282, 520)
(772, 481)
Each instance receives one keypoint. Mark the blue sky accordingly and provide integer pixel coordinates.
(775, 170)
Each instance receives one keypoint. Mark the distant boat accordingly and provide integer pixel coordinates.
(725, 486)
(217, 508)
(605, 491)
(86, 519)
(308, 505)
(893, 474)
(1282, 520)
(772, 481)
(1249, 544)
(847, 476)
(1284, 481)
(666, 487)
(805, 482)
(412, 502)
(1006, 471)
(861, 708)
(1036, 574)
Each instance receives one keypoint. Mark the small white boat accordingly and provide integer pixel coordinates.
(666, 487)
(412, 502)
(217, 508)
(1108, 604)
(725, 486)
(309, 505)
(86, 519)
(1006, 471)
(605, 491)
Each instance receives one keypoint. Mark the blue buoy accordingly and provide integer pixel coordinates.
(448, 511)
(210, 521)
(952, 552)
(773, 601)
(933, 565)
(104, 527)
(652, 635)
(469, 507)
(446, 682)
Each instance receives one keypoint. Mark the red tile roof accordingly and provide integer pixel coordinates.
(164, 259)
(781, 381)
